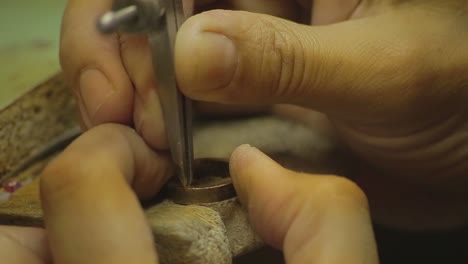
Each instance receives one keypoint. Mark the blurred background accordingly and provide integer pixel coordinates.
(29, 42)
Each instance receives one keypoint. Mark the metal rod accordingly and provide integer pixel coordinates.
(112, 20)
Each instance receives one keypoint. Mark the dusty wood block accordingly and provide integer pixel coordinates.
(23, 208)
(189, 234)
(242, 238)
(33, 120)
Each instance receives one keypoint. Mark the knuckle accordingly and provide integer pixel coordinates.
(338, 190)
(282, 56)
(279, 53)
(70, 170)
(152, 131)
(109, 136)
(61, 176)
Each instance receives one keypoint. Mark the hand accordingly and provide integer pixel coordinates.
(112, 76)
(93, 216)
(311, 218)
(389, 75)
(91, 213)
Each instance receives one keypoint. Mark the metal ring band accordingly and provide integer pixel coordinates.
(211, 183)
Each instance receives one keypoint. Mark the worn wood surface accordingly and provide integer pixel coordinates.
(23, 208)
(33, 120)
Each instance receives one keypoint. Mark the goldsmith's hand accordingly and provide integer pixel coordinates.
(316, 219)
(391, 76)
(92, 215)
(112, 76)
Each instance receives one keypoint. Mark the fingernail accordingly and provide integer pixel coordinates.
(251, 169)
(221, 56)
(241, 154)
(242, 159)
(95, 88)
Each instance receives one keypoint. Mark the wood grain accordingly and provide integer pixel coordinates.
(47, 111)
(23, 208)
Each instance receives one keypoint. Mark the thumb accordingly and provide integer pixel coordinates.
(313, 219)
(240, 57)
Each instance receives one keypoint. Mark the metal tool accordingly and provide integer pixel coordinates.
(161, 19)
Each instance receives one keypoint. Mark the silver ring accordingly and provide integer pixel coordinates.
(211, 183)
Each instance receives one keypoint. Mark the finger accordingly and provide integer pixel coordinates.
(338, 69)
(147, 116)
(234, 64)
(21, 245)
(314, 219)
(92, 65)
(91, 214)
(137, 58)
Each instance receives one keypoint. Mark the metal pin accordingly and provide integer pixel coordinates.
(112, 20)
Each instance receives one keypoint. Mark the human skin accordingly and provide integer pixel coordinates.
(390, 78)
(93, 214)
